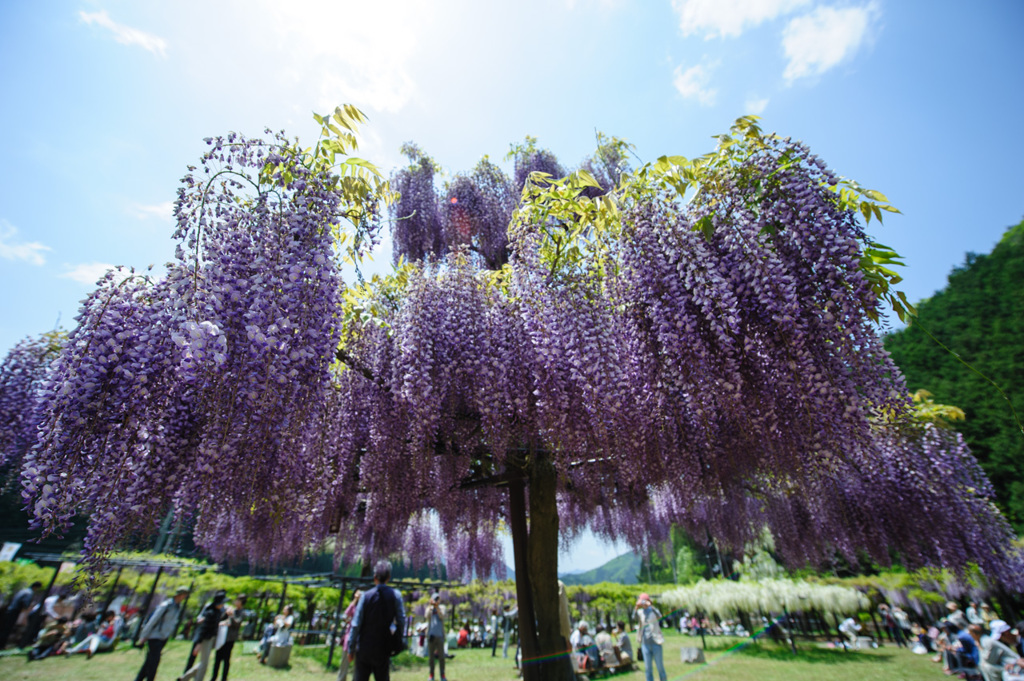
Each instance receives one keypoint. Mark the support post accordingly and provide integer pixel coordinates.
(145, 608)
(878, 629)
(789, 628)
(113, 587)
(284, 591)
(337, 622)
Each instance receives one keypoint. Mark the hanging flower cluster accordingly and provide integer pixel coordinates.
(476, 213)
(22, 375)
(726, 598)
(708, 361)
(417, 231)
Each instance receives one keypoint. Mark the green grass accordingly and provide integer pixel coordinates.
(729, 660)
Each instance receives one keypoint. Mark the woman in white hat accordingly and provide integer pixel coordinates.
(999, 661)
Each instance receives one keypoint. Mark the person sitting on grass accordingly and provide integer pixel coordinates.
(963, 647)
(606, 647)
(87, 623)
(50, 638)
(104, 639)
(1000, 661)
(624, 644)
(588, 657)
(849, 629)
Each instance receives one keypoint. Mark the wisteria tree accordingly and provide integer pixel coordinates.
(687, 342)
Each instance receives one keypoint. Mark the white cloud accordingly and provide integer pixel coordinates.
(721, 18)
(161, 211)
(693, 83)
(755, 106)
(818, 41)
(87, 273)
(126, 35)
(12, 249)
(368, 61)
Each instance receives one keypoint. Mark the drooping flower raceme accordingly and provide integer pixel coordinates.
(708, 362)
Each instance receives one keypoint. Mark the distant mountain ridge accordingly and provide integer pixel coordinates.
(621, 570)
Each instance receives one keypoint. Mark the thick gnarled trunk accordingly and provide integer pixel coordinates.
(535, 545)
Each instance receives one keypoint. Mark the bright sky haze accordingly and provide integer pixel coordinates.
(106, 103)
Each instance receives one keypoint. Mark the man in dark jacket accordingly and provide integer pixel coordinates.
(205, 637)
(21, 601)
(379, 619)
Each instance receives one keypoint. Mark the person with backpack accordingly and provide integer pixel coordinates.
(378, 628)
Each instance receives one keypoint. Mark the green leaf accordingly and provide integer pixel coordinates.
(363, 163)
(707, 226)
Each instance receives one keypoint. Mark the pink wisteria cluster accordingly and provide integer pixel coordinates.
(718, 369)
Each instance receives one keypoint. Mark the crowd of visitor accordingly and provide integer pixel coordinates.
(55, 625)
(973, 644)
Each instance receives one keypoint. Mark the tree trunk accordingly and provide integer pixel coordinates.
(524, 593)
(555, 663)
(536, 562)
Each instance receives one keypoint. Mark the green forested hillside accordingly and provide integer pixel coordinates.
(979, 316)
(621, 570)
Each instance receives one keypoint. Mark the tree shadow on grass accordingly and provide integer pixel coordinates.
(814, 655)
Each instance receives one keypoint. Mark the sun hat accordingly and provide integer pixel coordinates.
(998, 628)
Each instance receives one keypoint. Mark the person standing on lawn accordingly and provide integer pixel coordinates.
(378, 617)
(158, 630)
(435, 635)
(350, 613)
(508, 627)
(21, 602)
(650, 637)
(232, 624)
(205, 637)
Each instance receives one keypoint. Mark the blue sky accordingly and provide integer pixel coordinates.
(105, 103)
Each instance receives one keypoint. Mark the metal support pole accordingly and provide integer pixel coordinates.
(262, 616)
(145, 608)
(878, 630)
(284, 591)
(789, 628)
(110, 594)
(337, 621)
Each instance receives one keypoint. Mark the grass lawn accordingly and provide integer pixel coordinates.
(759, 662)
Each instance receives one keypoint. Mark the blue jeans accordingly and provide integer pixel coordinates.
(652, 656)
